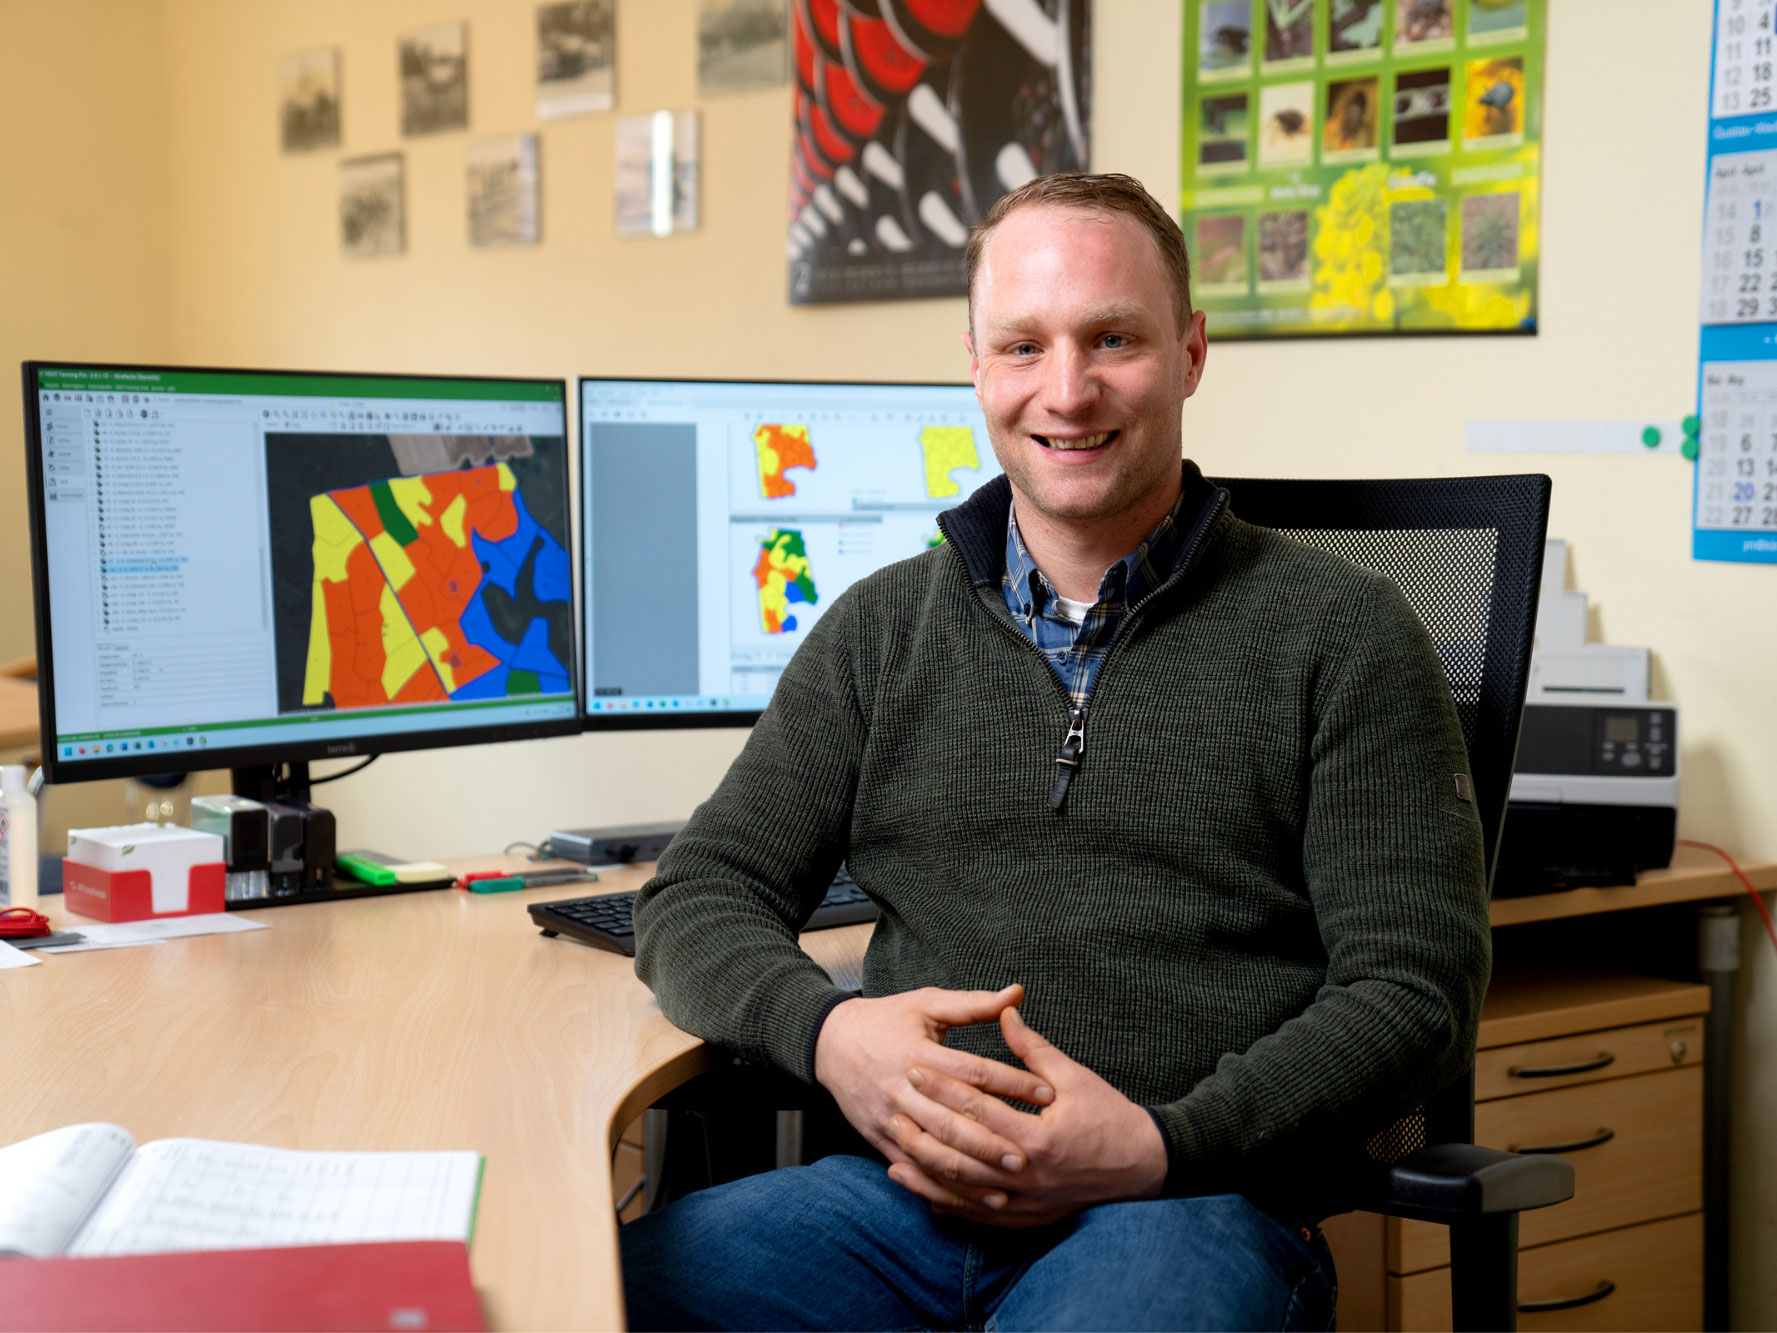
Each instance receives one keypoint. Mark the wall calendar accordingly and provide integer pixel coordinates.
(1734, 509)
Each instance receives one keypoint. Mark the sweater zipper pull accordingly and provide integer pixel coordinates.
(1067, 763)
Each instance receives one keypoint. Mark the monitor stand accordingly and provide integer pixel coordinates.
(286, 783)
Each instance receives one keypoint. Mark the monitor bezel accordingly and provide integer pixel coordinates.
(56, 769)
(668, 720)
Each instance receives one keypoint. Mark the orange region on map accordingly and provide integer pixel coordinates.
(780, 448)
(394, 572)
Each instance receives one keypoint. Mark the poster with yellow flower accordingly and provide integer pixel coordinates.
(1363, 166)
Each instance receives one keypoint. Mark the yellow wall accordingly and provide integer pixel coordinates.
(84, 221)
(235, 261)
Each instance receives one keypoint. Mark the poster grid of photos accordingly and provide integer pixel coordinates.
(1363, 166)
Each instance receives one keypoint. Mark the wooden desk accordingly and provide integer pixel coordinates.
(433, 1020)
(423, 1020)
(1693, 876)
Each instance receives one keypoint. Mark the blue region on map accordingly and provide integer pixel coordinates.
(490, 684)
(533, 655)
(551, 580)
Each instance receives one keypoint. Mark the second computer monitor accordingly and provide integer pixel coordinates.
(720, 520)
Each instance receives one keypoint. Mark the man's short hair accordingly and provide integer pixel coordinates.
(1102, 192)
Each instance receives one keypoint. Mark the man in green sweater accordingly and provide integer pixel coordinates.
(1174, 792)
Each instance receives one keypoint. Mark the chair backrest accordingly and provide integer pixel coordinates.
(1468, 554)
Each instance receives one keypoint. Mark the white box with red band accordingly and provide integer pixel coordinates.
(134, 871)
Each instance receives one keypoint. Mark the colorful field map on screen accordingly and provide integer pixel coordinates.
(783, 579)
(780, 448)
(947, 448)
(402, 568)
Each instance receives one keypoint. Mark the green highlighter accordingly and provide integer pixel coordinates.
(383, 870)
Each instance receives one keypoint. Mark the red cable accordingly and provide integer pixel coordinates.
(1757, 901)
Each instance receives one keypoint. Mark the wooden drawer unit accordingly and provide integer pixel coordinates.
(1636, 1145)
(1606, 1071)
(1538, 1066)
(1651, 1276)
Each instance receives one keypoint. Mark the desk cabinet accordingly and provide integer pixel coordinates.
(1606, 1071)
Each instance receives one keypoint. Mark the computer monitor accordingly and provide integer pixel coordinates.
(721, 518)
(250, 568)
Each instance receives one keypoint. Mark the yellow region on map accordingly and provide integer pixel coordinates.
(946, 448)
(780, 448)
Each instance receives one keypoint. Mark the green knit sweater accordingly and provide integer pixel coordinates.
(1259, 910)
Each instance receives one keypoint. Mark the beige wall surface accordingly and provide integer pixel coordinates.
(170, 226)
(84, 218)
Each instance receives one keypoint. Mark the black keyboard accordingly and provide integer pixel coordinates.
(604, 922)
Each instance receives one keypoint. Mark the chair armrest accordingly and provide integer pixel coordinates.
(1449, 1182)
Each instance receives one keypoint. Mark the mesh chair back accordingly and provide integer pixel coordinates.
(1468, 554)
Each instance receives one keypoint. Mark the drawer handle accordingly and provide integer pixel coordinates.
(1605, 1287)
(1602, 1136)
(1561, 1071)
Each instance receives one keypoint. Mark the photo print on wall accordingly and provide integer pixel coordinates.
(576, 57)
(308, 99)
(741, 44)
(503, 177)
(372, 206)
(910, 119)
(657, 163)
(434, 65)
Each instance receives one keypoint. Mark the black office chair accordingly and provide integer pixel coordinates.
(1468, 554)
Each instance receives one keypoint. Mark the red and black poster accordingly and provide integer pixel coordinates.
(911, 117)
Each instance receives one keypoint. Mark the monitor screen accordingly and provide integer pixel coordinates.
(241, 567)
(720, 519)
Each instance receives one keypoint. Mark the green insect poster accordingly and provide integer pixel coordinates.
(1363, 166)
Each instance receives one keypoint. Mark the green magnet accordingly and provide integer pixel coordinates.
(1689, 450)
(1691, 425)
(1650, 436)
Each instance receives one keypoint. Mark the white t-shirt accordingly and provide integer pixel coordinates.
(1071, 611)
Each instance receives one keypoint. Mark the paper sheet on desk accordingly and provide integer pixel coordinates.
(11, 957)
(127, 934)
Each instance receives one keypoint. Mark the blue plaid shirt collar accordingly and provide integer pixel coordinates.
(1077, 652)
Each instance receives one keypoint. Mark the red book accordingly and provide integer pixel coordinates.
(406, 1285)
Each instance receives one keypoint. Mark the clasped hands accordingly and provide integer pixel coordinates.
(937, 1114)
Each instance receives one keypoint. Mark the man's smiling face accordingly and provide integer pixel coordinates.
(1079, 364)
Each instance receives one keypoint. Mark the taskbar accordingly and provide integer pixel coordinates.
(345, 724)
(681, 703)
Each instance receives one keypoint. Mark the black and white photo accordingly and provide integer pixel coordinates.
(576, 57)
(308, 99)
(434, 64)
(656, 179)
(741, 44)
(372, 206)
(503, 191)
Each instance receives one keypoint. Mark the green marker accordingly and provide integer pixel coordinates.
(503, 885)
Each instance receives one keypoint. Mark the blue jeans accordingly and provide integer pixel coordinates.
(838, 1245)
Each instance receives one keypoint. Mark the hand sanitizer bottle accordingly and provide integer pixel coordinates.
(18, 839)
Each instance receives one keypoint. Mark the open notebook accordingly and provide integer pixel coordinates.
(87, 1189)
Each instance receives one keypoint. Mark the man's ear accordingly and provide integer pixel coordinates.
(1194, 351)
(974, 361)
